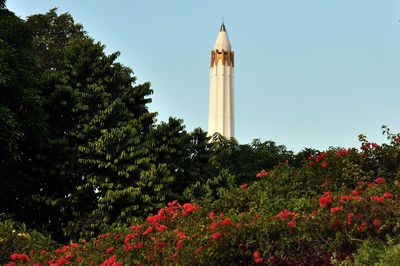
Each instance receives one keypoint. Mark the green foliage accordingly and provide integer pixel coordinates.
(369, 253)
(22, 119)
(16, 238)
(52, 34)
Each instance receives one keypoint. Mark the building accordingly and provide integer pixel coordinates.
(221, 109)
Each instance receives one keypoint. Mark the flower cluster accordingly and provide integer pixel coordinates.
(325, 199)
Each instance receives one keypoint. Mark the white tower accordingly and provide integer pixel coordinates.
(221, 113)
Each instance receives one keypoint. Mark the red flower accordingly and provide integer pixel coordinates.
(262, 173)
(336, 223)
(226, 221)
(179, 245)
(361, 227)
(344, 198)
(211, 215)
(188, 208)
(361, 183)
(350, 217)
(199, 249)
(181, 235)
(244, 186)
(284, 215)
(216, 235)
(377, 199)
(371, 184)
(374, 145)
(109, 250)
(291, 223)
(380, 180)
(320, 157)
(376, 222)
(257, 257)
(160, 244)
(325, 199)
(336, 209)
(398, 139)
(324, 164)
(148, 230)
(342, 152)
(172, 203)
(388, 195)
(324, 184)
(287, 161)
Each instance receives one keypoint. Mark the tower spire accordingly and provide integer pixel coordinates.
(222, 26)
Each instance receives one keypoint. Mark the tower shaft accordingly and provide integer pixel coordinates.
(221, 109)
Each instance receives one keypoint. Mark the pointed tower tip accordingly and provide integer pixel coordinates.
(222, 27)
(222, 42)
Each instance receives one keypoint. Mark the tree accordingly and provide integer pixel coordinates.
(54, 33)
(22, 120)
(100, 168)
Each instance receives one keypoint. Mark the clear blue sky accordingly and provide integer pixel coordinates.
(308, 73)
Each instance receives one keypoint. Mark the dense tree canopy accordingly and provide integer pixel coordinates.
(22, 120)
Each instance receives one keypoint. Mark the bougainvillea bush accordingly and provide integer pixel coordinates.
(337, 207)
